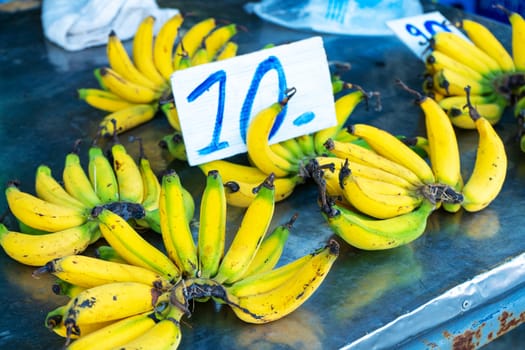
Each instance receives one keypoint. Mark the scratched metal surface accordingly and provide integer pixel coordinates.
(41, 119)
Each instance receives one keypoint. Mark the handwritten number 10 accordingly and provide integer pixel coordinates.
(271, 63)
(219, 76)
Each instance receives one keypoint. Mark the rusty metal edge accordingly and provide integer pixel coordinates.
(473, 313)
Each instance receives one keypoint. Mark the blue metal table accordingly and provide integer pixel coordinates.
(459, 286)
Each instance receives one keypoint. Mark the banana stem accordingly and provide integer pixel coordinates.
(316, 172)
(289, 94)
(441, 193)
(472, 111)
(419, 97)
(126, 210)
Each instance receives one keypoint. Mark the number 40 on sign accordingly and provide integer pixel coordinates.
(216, 101)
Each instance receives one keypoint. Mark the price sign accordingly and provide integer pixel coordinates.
(416, 31)
(217, 101)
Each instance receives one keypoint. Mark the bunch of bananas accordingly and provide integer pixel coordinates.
(137, 298)
(133, 88)
(287, 159)
(58, 219)
(496, 76)
(380, 195)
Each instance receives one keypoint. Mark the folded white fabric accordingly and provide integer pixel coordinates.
(78, 24)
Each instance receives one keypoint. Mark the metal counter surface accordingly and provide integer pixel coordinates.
(41, 118)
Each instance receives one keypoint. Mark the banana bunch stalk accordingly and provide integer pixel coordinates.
(137, 295)
(58, 219)
(134, 86)
(494, 74)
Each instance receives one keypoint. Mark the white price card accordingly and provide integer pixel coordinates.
(416, 31)
(216, 101)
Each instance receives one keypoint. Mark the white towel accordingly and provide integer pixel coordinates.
(78, 24)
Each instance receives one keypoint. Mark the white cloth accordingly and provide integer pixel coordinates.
(78, 24)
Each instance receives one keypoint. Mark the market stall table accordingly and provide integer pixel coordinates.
(459, 284)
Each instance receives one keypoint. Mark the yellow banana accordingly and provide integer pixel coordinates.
(518, 37)
(383, 187)
(129, 178)
(152, 187)
(448, 82)
(492, 111)
(229, 50)
(102, 176)
(307, 145)
(40, 214)
(442, 145)
(389, 146)
(282, 300)
(212, 225)
(344, 106)
(201, 56)
(265, 281)
(185, 61)
(459, 102)
(164, 335)
(216, 39)
(371, 201)
(76, 181)
(241, 194)
(170, 111)
(48, 189)
(483, 38)
(367, 163)
(230, 171)
(174, 144)
(151, 197)
(88, 272)
(121, 63)
(293, 147)
(37, 250)
(465, 52)
(55, 322)
(132, 247)
(257, 144)
(437, 61)
(282, 151)
(127, 118)
(490, 168)
(270, 251)
(103, 100)
(142, 51)
(192, 40)
(108, 253)
(368, 233)
(109, 302)
(61, 287)
(124, 88)
(249, 236)
(325, 172)
(115, 334)
(164, 44)
(175, 226)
